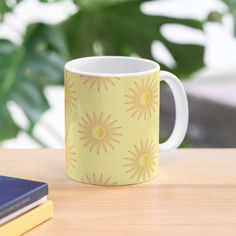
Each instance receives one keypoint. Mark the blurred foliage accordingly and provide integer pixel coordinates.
(102, 27)
(6, 6)
(24, 72)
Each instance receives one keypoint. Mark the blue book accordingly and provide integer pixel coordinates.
(16, 194)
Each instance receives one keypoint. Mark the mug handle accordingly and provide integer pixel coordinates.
(181, 110)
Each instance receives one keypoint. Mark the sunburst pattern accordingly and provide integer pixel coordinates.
(98, 179)
(99, 132)
(141, 161)
(70, 94)
(70, 155)
(142, 98)
(100, 83)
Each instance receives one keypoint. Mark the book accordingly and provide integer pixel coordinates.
(16, 194)
(22, 211)
(29, 220)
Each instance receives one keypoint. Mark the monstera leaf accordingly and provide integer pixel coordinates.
(120, 28)
(25, 71)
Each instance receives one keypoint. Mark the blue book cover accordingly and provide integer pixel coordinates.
(18, 193)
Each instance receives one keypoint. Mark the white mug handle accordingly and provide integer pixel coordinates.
(181, 110)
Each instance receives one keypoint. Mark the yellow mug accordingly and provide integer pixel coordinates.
(112, 119)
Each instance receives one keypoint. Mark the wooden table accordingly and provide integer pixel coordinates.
(195, 194)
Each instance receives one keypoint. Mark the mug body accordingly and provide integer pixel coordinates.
(111, 120)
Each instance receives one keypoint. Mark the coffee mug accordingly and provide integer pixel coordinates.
(112, 119)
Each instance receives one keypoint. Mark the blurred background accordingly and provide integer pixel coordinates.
(195, 39)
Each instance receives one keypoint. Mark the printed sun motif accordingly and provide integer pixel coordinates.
(70, 98)
(98, 179)
(70, 155)
(141, 161)
(99, 132)
(100, 82)
(142, 99)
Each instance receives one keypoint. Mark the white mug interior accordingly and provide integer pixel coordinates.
(112, 66)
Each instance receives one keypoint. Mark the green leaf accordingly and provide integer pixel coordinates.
(31, 99)
(8, 128)
(49, 1)
(7, 55)
(79, 34)
(122, 29)
(98, 4)
(4, 7)
(189, 58)
(26, 70)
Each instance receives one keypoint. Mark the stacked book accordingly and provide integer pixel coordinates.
(23, 205)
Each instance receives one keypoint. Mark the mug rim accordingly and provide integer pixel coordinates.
(69, 66)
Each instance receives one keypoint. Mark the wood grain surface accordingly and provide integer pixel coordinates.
(194, 194)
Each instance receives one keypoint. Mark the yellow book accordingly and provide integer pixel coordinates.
(28, 220)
